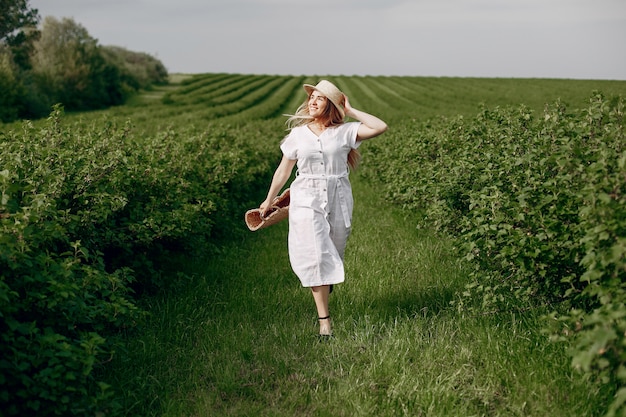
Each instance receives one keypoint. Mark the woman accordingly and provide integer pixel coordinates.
(320, 210)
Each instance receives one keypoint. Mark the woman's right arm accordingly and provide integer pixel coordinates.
(281, 175)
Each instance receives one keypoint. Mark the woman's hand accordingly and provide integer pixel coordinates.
(347, 107)
(264, 207)
(371, 126)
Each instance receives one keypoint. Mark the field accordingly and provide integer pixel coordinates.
(128, 223)
(246, 97)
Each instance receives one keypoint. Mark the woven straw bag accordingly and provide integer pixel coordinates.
(278, 211)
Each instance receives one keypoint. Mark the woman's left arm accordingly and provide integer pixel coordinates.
(371, 126)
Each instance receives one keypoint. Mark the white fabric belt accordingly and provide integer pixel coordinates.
(321, 176)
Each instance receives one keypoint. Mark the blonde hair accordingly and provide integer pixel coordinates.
(331, 117)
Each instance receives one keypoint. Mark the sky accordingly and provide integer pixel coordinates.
(577, 39)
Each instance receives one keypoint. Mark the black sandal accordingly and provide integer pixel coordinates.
(325, 335)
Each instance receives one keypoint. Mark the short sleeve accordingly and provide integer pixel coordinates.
(288, 147)
(353, 130)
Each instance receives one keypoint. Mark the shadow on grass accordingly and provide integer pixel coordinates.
(425, 302)
(390, 304)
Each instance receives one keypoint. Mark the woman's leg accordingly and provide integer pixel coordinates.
(320, 295)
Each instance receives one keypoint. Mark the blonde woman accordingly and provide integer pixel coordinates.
(324, 148)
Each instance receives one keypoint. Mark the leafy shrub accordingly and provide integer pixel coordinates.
(55, 298)
(599, 330)
(88, 216)
(538, 206)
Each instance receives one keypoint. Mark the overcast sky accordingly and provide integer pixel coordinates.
(584, 39)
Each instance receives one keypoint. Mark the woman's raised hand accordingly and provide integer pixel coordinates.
(346, 106)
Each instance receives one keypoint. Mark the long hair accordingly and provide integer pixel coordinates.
(330, 118)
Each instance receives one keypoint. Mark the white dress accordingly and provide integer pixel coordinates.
(321, 203)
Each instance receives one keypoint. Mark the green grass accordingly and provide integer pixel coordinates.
(239, 338)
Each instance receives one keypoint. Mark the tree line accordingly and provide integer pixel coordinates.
(59, 62)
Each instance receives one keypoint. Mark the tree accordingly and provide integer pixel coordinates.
(62, 63)
(66, 64)
(10, 87)
(18, 29)
(140, 70)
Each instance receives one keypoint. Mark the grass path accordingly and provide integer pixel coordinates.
(239, 339)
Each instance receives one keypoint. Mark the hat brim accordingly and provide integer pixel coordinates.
(308, 88)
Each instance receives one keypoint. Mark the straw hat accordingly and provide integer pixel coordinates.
(278, 211)
(330, 91)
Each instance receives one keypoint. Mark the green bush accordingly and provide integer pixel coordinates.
(89, 214)
(599, 331)
(56, 299)
(538, 206)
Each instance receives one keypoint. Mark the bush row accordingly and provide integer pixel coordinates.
(539, 206)
(88, 213)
